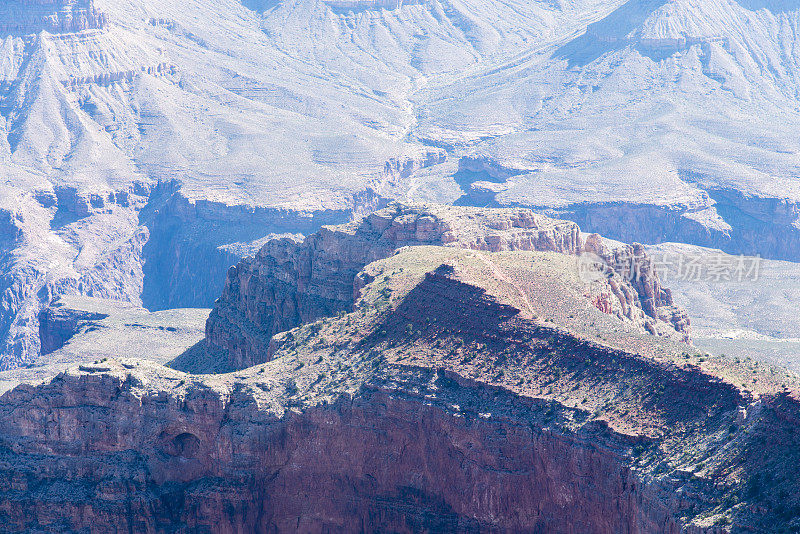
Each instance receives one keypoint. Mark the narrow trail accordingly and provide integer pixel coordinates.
(497, 272)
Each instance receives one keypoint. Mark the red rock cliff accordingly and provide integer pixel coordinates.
(450, 410)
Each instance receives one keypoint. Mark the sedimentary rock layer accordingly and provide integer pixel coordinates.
(375, 462)
(289, 283)
(59, 16)
(443, 408)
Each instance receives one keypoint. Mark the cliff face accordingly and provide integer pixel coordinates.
(289, 283)
(105, 266)
(58, 16)
(440, 404)
(57, 325)
(186, 234)
(373, 463)
(738, 224)
(166, 250)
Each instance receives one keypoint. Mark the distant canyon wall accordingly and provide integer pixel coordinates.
(164, 251)
(53, 16)
(762, 226)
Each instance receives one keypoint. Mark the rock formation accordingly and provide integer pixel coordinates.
(289, 283)
(452, 399)
(60, 16)
(58, 324)
(214, 461)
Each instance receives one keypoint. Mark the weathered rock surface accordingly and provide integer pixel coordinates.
(59, 16)
(289, 283)
(81, 328)
(442, 403)
(76, 330)
(376, 462)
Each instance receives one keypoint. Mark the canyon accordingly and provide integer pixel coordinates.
(370, 265)
(502, 397)
(129, 126)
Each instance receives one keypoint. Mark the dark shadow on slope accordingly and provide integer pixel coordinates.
(201, 358)
(770, 466)
(453, 314)
(441, 306)
(475, 196)
(584, 50)
(608, 34)
(68, 208)
(471, 171)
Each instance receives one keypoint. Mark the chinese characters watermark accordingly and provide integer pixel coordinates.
(671, 266)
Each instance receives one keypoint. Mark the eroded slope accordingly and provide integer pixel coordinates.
(450, 398)
(289, 283)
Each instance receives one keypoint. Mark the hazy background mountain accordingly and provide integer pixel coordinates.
(147, 145)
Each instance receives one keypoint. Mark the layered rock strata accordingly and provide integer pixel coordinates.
(60, 16)
(440, 404)
(289, 283)
(214, 461)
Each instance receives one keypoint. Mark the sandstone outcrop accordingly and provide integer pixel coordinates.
(440, 404)
(289, 283)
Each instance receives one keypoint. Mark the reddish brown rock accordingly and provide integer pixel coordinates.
(381, 461)
(449, 409)
(289, 283)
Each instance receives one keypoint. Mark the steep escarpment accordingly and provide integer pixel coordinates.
(289, 283)
(214, 460)
(61, 16)
(76, 329)
(735, 222)
(446, 401)
(193, 242)
(57, 325)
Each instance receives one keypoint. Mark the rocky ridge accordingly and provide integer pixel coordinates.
(289, 283)
(449, 399)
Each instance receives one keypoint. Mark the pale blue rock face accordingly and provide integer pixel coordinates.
(22, 17)
(148, 145)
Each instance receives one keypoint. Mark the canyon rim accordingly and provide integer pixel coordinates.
(399, 266)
